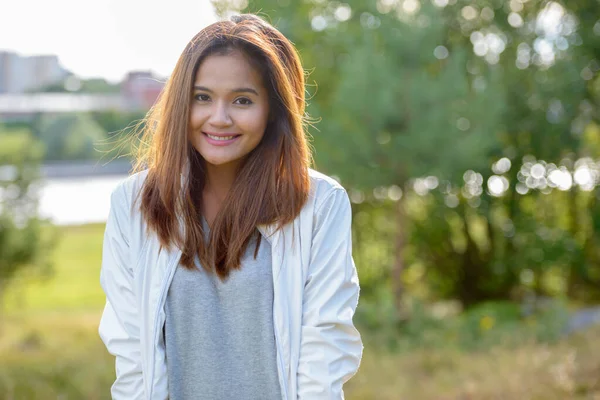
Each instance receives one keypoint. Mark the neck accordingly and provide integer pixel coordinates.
(219, 180)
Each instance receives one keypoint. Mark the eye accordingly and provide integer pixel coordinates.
(202, 97)
(243, 101)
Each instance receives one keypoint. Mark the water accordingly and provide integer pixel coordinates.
(82, 200)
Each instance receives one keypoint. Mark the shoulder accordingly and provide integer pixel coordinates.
(124, 209)
(124, 199)
(328, 197)
(128, 189)
(319, 178)
(323, 187)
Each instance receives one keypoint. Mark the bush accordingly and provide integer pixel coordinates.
(23, 241)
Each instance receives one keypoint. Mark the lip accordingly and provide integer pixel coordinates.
(220, 142)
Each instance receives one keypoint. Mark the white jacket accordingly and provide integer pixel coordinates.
(315, 295)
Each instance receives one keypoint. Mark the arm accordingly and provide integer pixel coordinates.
(331, 347)
(119, 326)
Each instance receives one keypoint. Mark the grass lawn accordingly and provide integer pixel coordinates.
(49, 344)
(50, 349)
(75, 284)
(566, 370)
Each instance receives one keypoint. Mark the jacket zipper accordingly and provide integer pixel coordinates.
(171, 272)
(281, 364)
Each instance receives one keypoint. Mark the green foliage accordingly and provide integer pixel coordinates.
(23, 243)
(481, 254)
(49, 357)
(490, 324)
(73, 84)
(402, 114)
(96, 135)
(122, 131)
(74, 285)
(70, 136)
(372, 231)
(440, 325)
(115, 121)
(98, 85)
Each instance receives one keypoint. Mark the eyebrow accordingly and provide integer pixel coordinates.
(238, 90)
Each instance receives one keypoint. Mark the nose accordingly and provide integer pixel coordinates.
(219, 116)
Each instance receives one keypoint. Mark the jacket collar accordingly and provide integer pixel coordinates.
(268, 231)
(272, 234)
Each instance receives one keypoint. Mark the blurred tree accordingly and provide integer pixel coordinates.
(98, 85)
(533, 229)
(74, 84)
(25, 240)
(122, 133)
(70, 136)
(584, 274)
(114, 121)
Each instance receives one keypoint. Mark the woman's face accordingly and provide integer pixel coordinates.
(229, 109)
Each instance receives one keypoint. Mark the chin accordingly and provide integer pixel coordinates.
(218, 161)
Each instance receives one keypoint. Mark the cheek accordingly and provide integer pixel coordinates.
(195, 118)
(257, 123)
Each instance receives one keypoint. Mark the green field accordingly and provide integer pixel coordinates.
(50, 349)
(74, 286)
(49, 344)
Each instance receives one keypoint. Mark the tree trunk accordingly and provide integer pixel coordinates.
(399, 264)
(583, 279)
(574, 280)
(470, 293)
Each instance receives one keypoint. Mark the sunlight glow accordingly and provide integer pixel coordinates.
(107, 38)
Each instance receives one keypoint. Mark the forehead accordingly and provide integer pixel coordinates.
(230, 70)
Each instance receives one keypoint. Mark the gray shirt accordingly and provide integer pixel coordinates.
(219, 336)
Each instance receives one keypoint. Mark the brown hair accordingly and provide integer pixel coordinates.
(272, 184)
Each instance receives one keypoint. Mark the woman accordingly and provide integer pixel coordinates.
(227, 263)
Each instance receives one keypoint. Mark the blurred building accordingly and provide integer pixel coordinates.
(19, 74)
(24, 106)
(141, 89)
(20, 77)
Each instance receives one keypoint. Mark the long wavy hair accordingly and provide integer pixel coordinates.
(272, 183)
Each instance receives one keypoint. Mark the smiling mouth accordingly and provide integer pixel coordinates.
(221, 138)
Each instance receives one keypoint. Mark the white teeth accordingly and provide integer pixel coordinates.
(220, 137)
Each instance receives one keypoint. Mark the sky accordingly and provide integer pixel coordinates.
(104, 38)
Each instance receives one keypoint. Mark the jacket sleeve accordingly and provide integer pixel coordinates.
(119, 325)
(330, 347)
